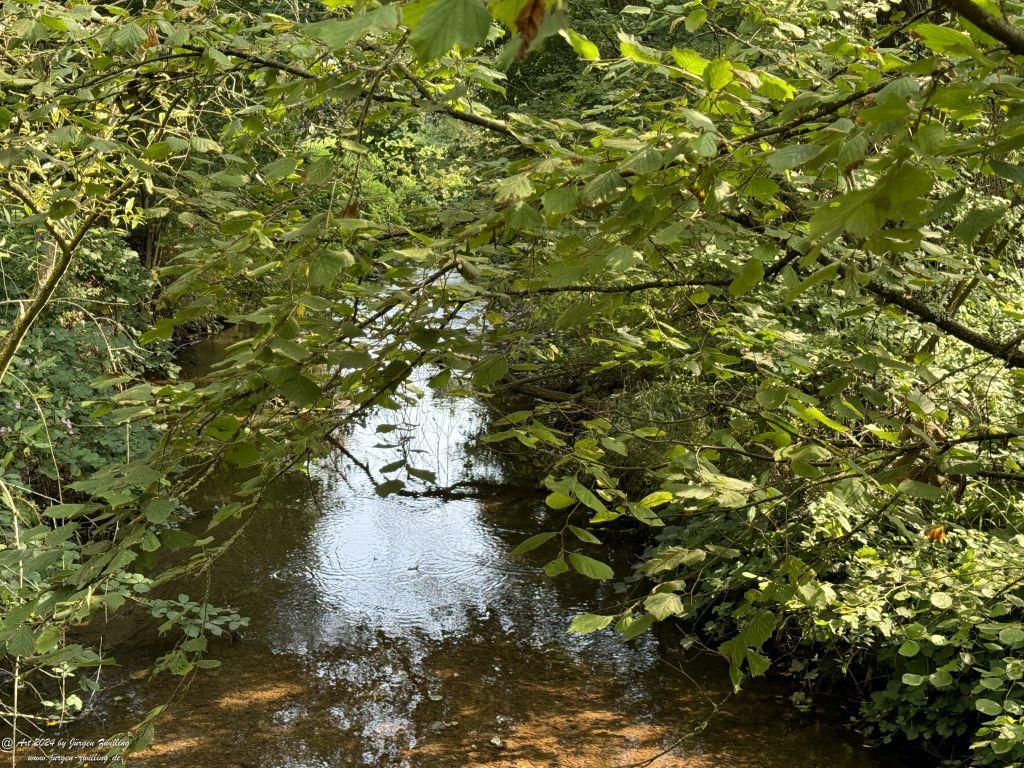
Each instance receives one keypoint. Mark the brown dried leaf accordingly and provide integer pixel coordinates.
(528, 24)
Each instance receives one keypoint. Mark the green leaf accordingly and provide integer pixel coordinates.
(758, 663)
(988, 707)
(793, 156)
(490, 370)
(750, 275)
(586, 49)
(556, 567)
(941, 600)
(129, 36)
(389, 487)
(909, 648)
(632, 49)
(977, 221)
(921, 490)
(584, 535)
(656, 499)
(560, 201)
(447, 23)
(590, 567)
(718, 74)
(159, 510)
(825, 273)
(279, 169)
(1008, 171)
(690, 61)
(300, 390)
(290, 349)
(558, 500)
(589, 622)
(584, 494)
(21, 642)
(533, 542)
(1012, 635)
(672, 557)
(661, 605)
(945, 40)
(335, 33)
(631, 627)
(771, 397)
(65, 511)
(695, 19)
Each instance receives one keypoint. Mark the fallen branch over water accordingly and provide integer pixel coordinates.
(464, 489)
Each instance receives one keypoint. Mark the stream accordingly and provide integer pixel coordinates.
(399, 633)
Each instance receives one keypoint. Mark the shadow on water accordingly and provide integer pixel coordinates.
(399, 633)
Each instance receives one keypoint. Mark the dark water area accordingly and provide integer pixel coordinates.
(400, 633)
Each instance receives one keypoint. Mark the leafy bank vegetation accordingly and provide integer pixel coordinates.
(754, 270)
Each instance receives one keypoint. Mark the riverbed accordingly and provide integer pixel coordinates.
(400, 633)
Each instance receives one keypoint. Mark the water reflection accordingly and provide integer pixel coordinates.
(399, 633)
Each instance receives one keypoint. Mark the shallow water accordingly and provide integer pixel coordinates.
(399, 633)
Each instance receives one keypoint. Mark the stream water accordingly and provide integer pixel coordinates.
(399, 633)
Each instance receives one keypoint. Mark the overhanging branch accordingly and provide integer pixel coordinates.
(1007, 352)
(1008, 34)
(621, 288)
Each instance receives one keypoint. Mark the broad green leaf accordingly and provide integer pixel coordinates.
(21, 641)
(758, 663)
(490, 370)
(750, 275)
(584, 535)
(921, 490)
(661, 605)
(586, 49)
(946, 41)
(718, 74)
(558, 500)
(335, 33)
(630, 626)
(695, 19)
(447, 23)
(589, 622)
(587, 497)
(279, 169)
(1009, 171)
(556, 567)
(656, 499)
(533, 542)
(300, 390)
(1012, 635)
(793, 156)
(988, 707)
(909, 648)
(590, 567)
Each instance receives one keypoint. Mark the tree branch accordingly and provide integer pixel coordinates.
(497, 126)
(1013, 357)
(1008, 34)
(1003, 350)
(624, 288)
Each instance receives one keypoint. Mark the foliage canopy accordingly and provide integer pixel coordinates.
(756, 266)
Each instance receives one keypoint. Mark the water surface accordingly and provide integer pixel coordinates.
(400, 633)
